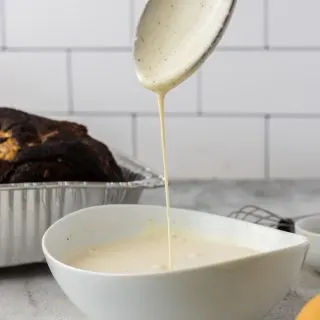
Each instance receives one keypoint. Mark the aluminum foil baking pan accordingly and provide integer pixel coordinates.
(28, 209)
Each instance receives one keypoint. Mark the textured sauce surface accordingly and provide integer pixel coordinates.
(147, 253)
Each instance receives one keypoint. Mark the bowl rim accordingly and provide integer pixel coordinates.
(304, 243)
(300, 226)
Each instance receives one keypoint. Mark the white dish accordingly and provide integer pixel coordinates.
(310, 228)
(243, 289)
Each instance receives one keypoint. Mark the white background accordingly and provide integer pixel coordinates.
(253, 111)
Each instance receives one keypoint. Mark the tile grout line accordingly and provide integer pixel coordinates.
(73, 49)
(70, 96)
(3, 25)
(267, 147)
(128, 49)
(266, 25)
(199, 98)
(231, 115)
(134, 133)
(294, 49)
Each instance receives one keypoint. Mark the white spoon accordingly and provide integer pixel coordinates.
(174, 38)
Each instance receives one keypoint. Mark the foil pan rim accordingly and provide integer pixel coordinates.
(150, 179)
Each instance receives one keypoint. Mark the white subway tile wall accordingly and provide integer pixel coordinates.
(262, 82)
(205, 147)
(294, 23)
(107, 82)
(246, 28)
(34, 81)
(71, 23)
(295, 148)
(253, 111)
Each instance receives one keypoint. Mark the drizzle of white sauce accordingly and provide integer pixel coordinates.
(173, 39)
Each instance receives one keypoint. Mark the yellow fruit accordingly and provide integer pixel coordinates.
(311, 311)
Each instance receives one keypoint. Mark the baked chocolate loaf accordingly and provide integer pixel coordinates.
(38, 149)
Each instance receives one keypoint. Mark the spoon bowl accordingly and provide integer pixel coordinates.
(174, 38)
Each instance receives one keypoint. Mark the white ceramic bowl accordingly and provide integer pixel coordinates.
(243, 289)
(310, 228)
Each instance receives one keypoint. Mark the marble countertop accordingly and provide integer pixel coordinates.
(29, 292)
